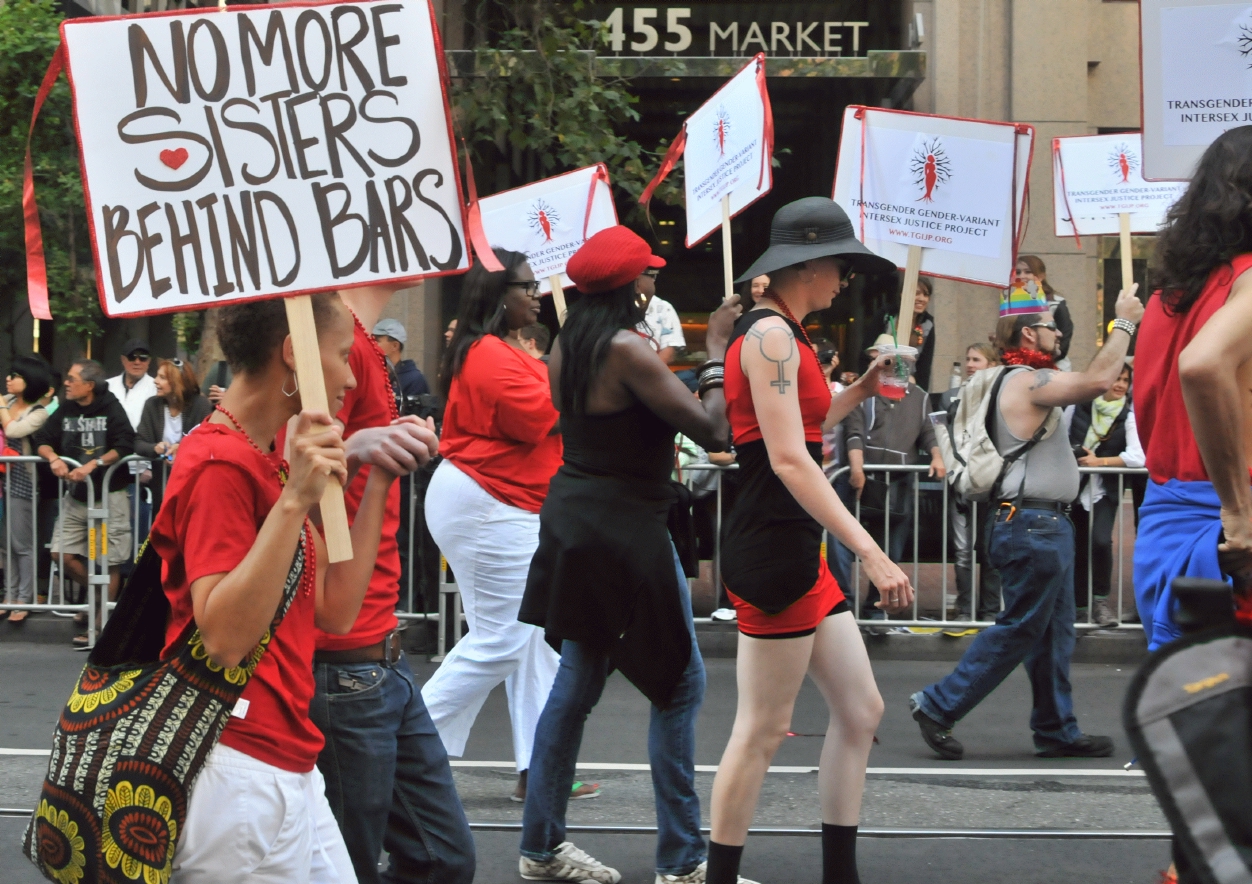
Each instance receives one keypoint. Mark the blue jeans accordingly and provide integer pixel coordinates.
(1034, 553)
(671, 751)
(387, 776)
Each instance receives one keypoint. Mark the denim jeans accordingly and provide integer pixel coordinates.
(387, 776)
(671, 751)
(1034, 553)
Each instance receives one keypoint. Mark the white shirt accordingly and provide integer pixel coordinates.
(134, 398)
(662, 326)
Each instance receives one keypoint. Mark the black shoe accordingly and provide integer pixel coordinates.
(937, 737)
(1086, 746)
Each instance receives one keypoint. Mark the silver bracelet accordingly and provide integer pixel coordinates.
(1125, 325)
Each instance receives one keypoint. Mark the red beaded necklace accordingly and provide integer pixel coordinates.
(283, 466)
(786, 311)
(382, 360)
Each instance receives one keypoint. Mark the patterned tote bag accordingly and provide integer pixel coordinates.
(134, 736)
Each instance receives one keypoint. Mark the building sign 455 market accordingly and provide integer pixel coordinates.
(810, 30)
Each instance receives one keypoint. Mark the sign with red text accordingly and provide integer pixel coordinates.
(550, 219)
(1196, 79)
(954, 187)
(1096, 178)
(264, 150)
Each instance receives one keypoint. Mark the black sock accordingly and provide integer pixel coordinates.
(723, 865)
(839, 855)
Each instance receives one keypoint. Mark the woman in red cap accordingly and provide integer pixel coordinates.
(605, 581)
(793, 618)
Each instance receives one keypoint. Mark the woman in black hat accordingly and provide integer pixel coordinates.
(792, 615)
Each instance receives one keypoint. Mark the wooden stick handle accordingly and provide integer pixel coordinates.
(1128, 266)
(558, 297)
(904, 319)
(313, 398)
(728, 272)
(35, 337)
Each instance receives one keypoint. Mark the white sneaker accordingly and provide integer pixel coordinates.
(695, 876)
(569, 864)
(724, 615)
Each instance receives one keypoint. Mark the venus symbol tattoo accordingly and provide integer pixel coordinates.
(778, 345)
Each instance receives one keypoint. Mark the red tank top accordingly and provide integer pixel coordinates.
(814, 391)
(1164, 428)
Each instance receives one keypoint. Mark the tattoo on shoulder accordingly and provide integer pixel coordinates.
(1043, 377)
(777, 345)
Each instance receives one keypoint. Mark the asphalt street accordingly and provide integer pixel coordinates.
(1000, 784)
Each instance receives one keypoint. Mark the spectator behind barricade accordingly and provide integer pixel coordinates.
(134, 386)
(921, 333)
(704, 504)
(21, 416)
(1103, 434)
(92, 428)
(966, 533)
(661, 324)
(1030, 268)
(176, 410)
(216, 381)
(834, 453)
(391, 337)
(534, 340)
(751, 292)
(448, 333)
(888, 432)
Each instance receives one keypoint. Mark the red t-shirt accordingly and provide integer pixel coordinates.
(498, 422)
(369, 405)
(217, 498)
(1161, 415)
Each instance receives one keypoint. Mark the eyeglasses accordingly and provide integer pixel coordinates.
(137, 357)
(1050, 326)
(531, 287)
(653, 273)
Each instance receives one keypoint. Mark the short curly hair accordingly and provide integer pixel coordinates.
(248, 332)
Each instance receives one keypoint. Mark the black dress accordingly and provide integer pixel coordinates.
(604, 571)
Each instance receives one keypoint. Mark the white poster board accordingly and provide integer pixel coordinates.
(1197, 82)
(264, 151)
(954, 187)
(729, 144)
(1096, 178)
(549, 220)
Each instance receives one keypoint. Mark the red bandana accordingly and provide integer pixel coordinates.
(1033, 358)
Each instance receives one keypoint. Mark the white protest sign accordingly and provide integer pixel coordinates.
(953, 187)
(729, 142)
(550, 219)
(1197, 79)
(1096, 178)
(263, 151)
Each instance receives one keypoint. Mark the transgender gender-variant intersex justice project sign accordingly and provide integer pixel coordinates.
(1097, 178)
(1197, 79)
(264, 150)
(550, 219)
(953, 187)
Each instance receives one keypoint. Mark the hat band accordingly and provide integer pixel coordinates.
(808, 236)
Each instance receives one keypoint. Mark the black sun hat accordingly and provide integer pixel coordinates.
(814, 227)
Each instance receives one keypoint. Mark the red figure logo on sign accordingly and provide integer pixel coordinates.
(930, 167)
(541, 218)
(1123, 160)
(722, 130)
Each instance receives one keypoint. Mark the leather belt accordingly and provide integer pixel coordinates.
(1035, 503)
(387, 652)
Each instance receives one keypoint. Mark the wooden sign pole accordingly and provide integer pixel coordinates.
(904, 319)
(728, 273)
(1128, 267)
(35, 337)
(558, 297)
(313, 398)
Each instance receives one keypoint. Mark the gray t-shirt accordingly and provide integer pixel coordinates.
(1049, 469)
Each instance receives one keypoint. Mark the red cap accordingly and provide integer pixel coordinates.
(610, 259)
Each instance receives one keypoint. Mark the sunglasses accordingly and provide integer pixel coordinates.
(531, 287)
(1050, 326)
(138, 357)
(652, 273)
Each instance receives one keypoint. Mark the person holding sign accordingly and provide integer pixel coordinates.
(793, 617)
(234, 515)
(605, 579)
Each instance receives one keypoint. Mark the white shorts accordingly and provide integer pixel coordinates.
(250, 821)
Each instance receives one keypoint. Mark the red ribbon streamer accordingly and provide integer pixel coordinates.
(667, 166)
(601, 174)
(474, 220)
(1056, 152)
(767, 135)
(36, 267)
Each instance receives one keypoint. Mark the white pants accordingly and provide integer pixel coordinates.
(488, 545)
(250, 821)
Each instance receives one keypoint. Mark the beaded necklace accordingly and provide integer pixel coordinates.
(786, 311)
(382, 360)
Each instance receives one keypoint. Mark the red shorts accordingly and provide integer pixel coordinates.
(799, 618)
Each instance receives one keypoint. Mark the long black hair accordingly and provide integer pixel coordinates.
(481, 312)
(1210, 224)
(590, 325)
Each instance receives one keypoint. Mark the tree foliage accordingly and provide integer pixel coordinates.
(28, 37)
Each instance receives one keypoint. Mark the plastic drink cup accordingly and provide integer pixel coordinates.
(896, 384)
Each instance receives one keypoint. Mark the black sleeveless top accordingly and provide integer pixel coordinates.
(632, 443)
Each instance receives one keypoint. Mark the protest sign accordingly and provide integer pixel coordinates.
(549, 220)
(940, 196)
(1196, 80)
(727, 145)
(263, 151)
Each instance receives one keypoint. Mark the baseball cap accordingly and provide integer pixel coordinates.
(392, 329)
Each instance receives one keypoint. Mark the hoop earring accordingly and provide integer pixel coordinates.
(296, 381)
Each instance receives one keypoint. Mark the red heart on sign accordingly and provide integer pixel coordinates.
(174, 158)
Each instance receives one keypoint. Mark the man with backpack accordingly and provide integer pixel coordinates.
(1009, 452)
